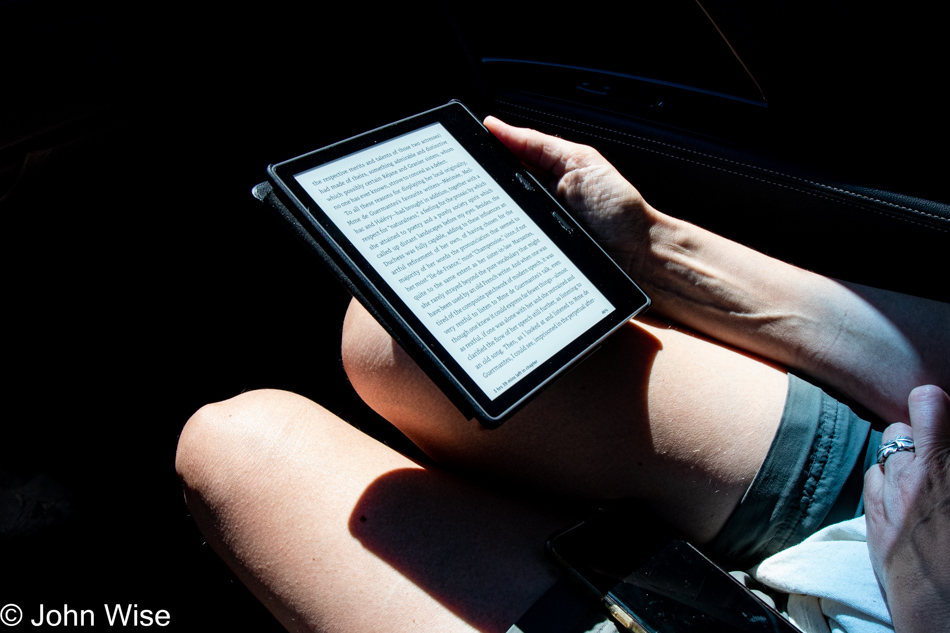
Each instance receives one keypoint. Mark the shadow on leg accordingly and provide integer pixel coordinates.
(656, 414)
(334, 531)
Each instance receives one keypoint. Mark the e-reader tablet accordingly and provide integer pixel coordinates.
(472, 266)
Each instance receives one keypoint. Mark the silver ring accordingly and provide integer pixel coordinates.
(900, 443)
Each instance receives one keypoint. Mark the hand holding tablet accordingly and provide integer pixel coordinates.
(465, 259)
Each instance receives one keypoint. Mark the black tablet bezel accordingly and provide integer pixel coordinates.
(374, 292)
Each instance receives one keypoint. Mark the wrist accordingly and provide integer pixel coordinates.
(693, 274)
(728, 291)
(652, 261)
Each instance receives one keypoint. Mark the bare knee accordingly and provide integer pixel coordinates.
(271, 480)
(208, 434)
(226, 446)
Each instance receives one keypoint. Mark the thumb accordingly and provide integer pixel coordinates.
(929, 408)
(547, 154)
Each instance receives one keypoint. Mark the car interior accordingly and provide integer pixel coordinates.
(145, 280)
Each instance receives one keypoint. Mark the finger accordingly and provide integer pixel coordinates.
(873, 490)
(898, 460)
(895, 430)
(527, 145)
(535, 149)
(930, 418)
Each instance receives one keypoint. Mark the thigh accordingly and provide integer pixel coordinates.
(334, 531)
(657, 414)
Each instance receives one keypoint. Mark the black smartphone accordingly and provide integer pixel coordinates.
(650, 581)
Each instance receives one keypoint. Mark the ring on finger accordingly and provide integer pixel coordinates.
(898, 444)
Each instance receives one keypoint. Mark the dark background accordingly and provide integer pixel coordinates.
(142, 280)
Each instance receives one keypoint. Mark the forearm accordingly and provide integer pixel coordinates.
(872, 345)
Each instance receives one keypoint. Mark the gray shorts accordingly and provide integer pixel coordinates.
(812, 476)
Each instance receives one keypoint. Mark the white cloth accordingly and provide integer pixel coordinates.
(831, 584)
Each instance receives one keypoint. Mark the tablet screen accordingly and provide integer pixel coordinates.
(493, 289)
(482, 277)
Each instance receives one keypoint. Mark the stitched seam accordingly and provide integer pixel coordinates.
(737, 173)
(816, 468)
(728, 160)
